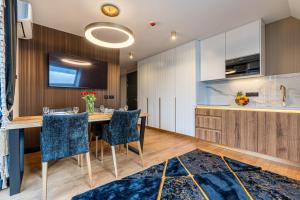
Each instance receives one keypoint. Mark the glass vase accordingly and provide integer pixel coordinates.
(90, 107)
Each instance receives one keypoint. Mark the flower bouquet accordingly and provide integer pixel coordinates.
(89, 98)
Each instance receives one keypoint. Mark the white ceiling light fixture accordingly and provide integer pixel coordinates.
(89, 29)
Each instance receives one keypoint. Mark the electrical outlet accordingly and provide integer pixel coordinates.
(111, 96)
(106, 96)
(252, 94)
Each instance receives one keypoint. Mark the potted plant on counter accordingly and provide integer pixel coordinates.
(89, 98)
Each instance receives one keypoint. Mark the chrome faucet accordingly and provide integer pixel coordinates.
(283, 93)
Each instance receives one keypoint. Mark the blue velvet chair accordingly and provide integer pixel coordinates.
(64, 136)
(122, 129)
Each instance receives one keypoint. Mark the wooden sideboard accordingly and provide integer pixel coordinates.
(263, 131)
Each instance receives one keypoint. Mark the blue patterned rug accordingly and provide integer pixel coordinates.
(198, 175)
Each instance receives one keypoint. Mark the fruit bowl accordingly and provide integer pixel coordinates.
(241, 99)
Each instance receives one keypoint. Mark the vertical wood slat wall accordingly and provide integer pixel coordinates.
(33, 74)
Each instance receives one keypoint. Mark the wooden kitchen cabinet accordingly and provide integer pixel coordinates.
(279, 135)
(272, 133)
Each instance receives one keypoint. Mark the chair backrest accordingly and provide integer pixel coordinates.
(64, 136)
(123, 126)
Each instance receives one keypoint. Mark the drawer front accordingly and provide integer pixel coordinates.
(209, 112)
(209, 135)
(208, 122)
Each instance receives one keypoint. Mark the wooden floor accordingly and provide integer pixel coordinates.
(66, 179)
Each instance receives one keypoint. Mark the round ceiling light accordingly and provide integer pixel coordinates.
(89, 29)
(110, 10)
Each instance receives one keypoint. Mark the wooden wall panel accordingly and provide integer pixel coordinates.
(33, 75)
(283, 46)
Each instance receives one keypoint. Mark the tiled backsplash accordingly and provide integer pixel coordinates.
(223, 92)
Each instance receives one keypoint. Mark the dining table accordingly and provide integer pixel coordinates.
(16, 130)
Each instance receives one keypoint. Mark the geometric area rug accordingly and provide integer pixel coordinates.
(198, 175)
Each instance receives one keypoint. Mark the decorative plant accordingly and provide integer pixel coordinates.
(89, 98)
(241, 99)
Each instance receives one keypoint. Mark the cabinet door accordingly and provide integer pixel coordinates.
(248, 127)
(243, 41)
(213, 58)
(186, 88)
(279, 135)
(153, 98)
(230, 128)
(240, 129)
(142, 87)
(167, 91)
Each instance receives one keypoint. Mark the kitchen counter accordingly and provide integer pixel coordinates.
(252, 108)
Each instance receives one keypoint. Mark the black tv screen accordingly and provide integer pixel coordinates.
(75, 72)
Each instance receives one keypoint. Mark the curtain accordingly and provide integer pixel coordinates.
(8, 41)
(3, 134)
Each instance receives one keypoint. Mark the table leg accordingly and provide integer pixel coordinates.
(142, 135)
(16, 159)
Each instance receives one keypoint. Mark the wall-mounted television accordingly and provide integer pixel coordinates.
(68, 71)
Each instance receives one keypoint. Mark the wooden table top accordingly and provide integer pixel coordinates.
(37, 121)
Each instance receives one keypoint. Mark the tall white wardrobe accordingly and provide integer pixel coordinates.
(167, 88)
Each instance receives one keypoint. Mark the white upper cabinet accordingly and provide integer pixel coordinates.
(243, 41)
(213, 58)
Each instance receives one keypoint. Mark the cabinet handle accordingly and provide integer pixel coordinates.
(175, 113)
(147, 111)
(159, 112)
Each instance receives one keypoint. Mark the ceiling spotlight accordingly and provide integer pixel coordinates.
(130, 55)
(173, 35)
(89, 29)
(110, 10)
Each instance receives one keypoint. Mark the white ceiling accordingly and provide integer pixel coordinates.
(192, 19)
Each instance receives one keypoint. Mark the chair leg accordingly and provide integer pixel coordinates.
(140, 152)
(81, 160)
(114, 160)
(126, 149)
(101, 147)
(78, 160)
(96, 146)
(88, 162)
(44, 177)
(91, 137)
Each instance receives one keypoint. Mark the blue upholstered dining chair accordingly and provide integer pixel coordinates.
(64, 136)
(122, 129)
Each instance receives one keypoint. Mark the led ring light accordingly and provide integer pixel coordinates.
(110, 26)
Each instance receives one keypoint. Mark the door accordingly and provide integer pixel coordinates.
(132, 91)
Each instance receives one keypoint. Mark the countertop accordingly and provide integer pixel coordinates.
(252, 108)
